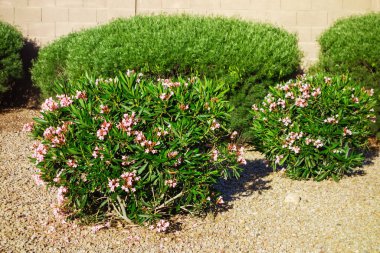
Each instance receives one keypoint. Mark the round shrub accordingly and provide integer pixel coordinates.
(352, 45)
(11, 42)
(314, 127)
(245, 56)
(141, 149)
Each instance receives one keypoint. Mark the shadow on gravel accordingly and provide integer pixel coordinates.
(22, 93)
(252, 179)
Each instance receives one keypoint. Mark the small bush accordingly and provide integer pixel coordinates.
(11, 42)
(352, 45)
(50, 67)
(241, 54)
(141, 149)
(315, 127)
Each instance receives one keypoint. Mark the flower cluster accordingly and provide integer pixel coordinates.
(103, 131)
(40, 150)
(128, 122)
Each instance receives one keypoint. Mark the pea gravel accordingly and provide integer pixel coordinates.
(264, 212)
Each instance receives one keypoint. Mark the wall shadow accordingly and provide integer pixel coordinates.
(22, 93)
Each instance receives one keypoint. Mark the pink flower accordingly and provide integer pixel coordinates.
(332, 120)
(286, 121)
(308, 141)
(39, 152)
(38, 179)
(240, 159)
(232, 147)
(183, 107)
(28, 127)
(214, 156)
(172, 154)
(214, 125)
(64, 100)
(300, 102)
(355, 99)
(318, 143)
(171, 183)
(219, 200)
(113, 183)
(72, 163)
(104, 109)
(346, 131)
(289, 95)
(162, 226)
(327, 80)
(81, 95)
(316, 92)
(296, 149)
(281, 103)
(49, 105)
(62, 190)
(233, 135)
(101, 133)
(254, 107)
(278, 158)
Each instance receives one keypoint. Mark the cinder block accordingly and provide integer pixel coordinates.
(101, 15)
(42, 41)
(303, 33)
(357, 5)
(310, 50)
(282, 18)
(266, 5)
(148, 11)
(41, 29)
(121, 4)
(148, 4)
(226, 13)
(295, 5)
(80, 26)
(62, 28)
(235, 4)
(95, 3)
(69, 3)
(326, 4)
(6, 4)
(13, 3)
(41, 3)
(58, 14)
(175, 4)
(316, 32)
(85, 15)
(205, 5)
(312, 18)
(7, 14)
(116, 13)
(30, 14)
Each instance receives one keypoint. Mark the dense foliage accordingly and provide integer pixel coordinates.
(141, 149)
(245, 56)
(315, 126)
(352, 45)
(11, 42)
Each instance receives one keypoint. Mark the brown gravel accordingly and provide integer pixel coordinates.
(330, 217)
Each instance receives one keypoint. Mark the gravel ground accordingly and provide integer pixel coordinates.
(264, 212)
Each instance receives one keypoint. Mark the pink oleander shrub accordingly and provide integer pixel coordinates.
(142, 150)
(314, 127)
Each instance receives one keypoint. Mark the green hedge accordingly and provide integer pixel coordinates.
(241, 54)
(11, 43)
(352, 45)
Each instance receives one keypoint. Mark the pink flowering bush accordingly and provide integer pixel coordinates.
(315, 126)
(139, 149)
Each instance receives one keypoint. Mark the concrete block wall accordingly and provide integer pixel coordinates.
(45, 20)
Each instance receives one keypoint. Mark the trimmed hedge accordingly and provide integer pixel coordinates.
(11, 42)
(241, 54)
(352, 45)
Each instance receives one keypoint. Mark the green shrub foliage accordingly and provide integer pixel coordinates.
(314, 127)
(142, 149)
(352, 45)
(11, 42)
(245, 56)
